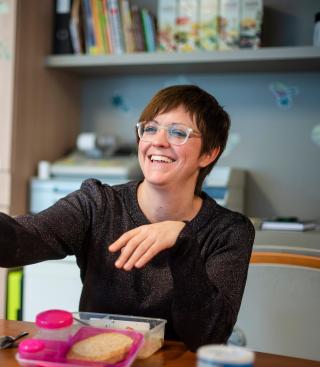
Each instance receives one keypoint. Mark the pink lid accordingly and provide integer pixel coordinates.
(31, 346)
(54, 319)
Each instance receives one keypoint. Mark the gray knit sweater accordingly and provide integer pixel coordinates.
(197, 285)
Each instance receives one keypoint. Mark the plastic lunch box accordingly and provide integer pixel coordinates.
(152, 328)
(35, 352)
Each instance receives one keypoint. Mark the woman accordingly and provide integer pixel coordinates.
(156, 248)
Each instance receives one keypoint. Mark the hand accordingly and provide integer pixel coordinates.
(143, 243)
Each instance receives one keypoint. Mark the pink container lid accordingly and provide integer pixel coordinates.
(54, 319)
(31, 346)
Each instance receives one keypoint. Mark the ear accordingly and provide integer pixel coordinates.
(208, 158)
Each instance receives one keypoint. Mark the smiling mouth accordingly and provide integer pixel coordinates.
(161, 159)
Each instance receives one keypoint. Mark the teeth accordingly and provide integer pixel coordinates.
(161, 158)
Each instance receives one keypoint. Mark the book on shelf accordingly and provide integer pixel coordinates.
(99, 49)
(100, 27)
(250, 23)
(127, 28)
(148, 30)
(137, 28)
(76, 29)
(166, 25)
(289, 225)
(104, 26)
(208, 25)
(62, 38)
(229, 24)
(114, 21)
(186, 32)
(90, 39)
(107, 26)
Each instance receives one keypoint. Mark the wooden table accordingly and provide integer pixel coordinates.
(173, 354)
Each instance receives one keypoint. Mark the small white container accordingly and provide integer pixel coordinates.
(152, 328)
(224, 356)
(44, 170)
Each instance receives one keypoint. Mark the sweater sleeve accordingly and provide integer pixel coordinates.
(208, 287)
(54, 233)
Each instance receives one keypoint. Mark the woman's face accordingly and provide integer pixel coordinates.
(167, 165)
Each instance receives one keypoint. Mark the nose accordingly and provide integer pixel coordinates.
(161, 138)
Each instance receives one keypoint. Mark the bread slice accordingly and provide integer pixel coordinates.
(109, 347)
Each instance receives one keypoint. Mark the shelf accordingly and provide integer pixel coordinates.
(276, 59)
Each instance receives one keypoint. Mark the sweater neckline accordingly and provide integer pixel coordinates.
(208, 207)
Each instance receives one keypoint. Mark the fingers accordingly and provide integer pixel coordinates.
(128, 249)
(139, 251)
(133, 245)
(145, 258)
(122, 240)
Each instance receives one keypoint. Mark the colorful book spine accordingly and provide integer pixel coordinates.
(166, 14)
(250, 23)
(97, 28)
(107, 26)
(153, 26)
(148, 30)
(90, 41)
(103, 26)
(187, 25)
(208, 25)
(229, 24)
(115, 26)
(75, 28)
(137, 28)
(127, 27)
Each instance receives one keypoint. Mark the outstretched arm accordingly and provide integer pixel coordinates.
(51, 234)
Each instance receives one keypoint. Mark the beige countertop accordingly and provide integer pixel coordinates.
(306, 243)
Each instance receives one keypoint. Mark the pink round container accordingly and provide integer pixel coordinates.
(54, 324)
(31, 349)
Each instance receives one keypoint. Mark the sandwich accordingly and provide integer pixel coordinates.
(107, 347)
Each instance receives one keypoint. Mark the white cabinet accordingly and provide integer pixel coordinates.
(51, 285)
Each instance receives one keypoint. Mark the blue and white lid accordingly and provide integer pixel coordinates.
(225, 355)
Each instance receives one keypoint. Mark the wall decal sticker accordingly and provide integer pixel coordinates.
(284, 94)
(119, 102)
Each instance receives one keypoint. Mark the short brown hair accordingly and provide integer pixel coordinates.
(212, 120)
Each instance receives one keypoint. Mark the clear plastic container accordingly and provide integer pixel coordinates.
(54, 325)
(152, 328)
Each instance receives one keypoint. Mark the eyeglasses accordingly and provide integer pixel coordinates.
(177, 134)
